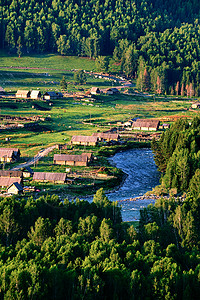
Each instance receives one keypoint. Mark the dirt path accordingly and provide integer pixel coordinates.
(34, 159)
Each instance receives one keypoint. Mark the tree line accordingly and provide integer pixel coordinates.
(80, 250)
(177, 156)
(156, 42)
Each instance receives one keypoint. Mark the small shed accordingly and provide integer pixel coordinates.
(36, 94)
(50, 177)
(95, 91)
(23, 94)
(50, 96)
(27, 172)
(84, 140)
(15, 188)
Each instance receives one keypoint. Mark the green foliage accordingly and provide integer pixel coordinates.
(79, 76)
(63, 84)
(56, 250)
(177, 155)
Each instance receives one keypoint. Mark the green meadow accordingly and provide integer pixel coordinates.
(71, 116)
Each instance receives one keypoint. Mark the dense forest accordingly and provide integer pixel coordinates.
(80, 250)
(157, 42)
(177, 156)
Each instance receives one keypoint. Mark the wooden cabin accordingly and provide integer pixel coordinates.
(104, 136)
(146, 124)
(50, 96)
(7, 181)
(10, 173)
(112, 91)
(23, 94)
(15, 188)
(84, 140)
(9, 154)
(95, 91)
(35, 95)
(50, 177)
(72, 160)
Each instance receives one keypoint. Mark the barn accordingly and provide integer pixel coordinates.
(72, 160)
(84, 140)
(104, 136)
(50, 177)
(146, 124)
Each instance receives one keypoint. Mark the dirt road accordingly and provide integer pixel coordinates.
(34, 159)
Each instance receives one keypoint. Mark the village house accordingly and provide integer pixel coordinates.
(50, 177)
(52, 95)
(10, 173)
(112, 91)
(23, 94)
(36, 95)
(104, 136)
(72, 160)
(7, 181)
(15, 188)
(195, 105)
(9, 154)
(2, 91)
(95, 91)
(146, 124)
(84, 140)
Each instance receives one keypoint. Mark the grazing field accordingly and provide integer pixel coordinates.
(72, 115)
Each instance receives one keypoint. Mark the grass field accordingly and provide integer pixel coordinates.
(70, 116)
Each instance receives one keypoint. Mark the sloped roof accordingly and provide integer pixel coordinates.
(146, 123)
(84, 138)
(22, 93)
(2, 90)
(105, 135)
(94, 90)
(49, 176)
(9, 173)
(7, 181)
(8, 151)
(65, 157)
(17, 185)
(35, 94)
(51, 94)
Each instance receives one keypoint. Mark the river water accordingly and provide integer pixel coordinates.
(142, 176)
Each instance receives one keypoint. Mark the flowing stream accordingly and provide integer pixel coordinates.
(142, 176)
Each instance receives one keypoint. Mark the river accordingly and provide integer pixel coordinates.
(142, 176)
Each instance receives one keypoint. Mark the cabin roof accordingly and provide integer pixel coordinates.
(66, 157)
(49, 176)
(10, 173)
(84, 138)
(7, 181)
